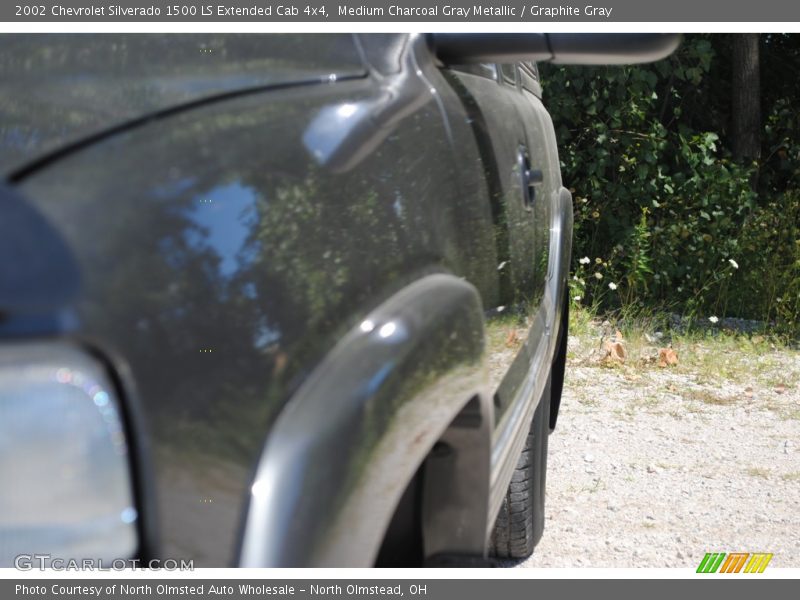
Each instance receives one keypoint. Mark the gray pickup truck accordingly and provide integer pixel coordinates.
(282, 300)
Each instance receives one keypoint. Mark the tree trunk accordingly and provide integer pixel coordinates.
(746, 103)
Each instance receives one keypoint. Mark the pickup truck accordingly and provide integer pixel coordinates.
(282, 300)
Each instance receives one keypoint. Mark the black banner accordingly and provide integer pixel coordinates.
(702, 586)
(455, 11)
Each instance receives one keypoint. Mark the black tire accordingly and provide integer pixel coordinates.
(520, 522)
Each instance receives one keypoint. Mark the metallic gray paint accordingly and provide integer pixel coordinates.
(224, 262)
(59, 89)
(38, 274)
(354, 434)
(217, 268)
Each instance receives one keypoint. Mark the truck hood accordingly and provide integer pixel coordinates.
(61, 90)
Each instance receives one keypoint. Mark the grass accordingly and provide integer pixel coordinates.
(693, 408)
(581, 320)
(707, 397)
(793, 476)
(709, 355)
(667, 466)
(591, 401)
(758, 472)
(642, 403)
(598, 485)
(785, 411)
(792, 414)
(735, 357)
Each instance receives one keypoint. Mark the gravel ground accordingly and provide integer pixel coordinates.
(654, 467)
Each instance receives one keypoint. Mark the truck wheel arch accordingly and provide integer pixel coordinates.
(340, 455)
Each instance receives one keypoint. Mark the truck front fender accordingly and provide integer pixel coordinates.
(345, 447)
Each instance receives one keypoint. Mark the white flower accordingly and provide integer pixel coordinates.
(734, 264)
(713, 319)
(612, 286)
(577, 298)
(585, 260)
(598, 276)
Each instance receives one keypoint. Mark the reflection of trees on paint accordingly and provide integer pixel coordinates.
(215, 229)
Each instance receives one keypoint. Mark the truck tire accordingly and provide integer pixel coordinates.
(520, 522)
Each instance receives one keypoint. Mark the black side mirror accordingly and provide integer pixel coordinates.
(559, 48)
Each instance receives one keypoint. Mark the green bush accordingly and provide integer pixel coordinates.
(664, 217)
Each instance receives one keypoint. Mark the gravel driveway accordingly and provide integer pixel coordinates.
(654, 467)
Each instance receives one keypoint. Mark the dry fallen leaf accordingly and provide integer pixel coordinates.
(614, 352)
(780, 388)
(667, 357)
(512, 339)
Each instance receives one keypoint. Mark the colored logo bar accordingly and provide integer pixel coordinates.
(734, 562)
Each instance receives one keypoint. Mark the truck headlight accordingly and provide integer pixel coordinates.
(65, 481)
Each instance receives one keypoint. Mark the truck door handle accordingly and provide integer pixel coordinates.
(535, 177)
(530, 179)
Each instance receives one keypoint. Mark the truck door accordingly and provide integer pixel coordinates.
(506, 122)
